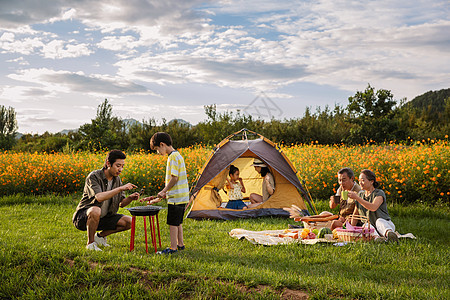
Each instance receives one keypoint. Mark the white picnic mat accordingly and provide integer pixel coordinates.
(271, 237)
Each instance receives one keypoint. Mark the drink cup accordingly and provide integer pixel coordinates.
(344, 195)
(337, 199)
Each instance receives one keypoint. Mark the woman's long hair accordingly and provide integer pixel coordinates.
(371, 177)
(264, 171)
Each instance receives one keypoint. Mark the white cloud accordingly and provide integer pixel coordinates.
(172, 15)
(118, 43)
(20, 60)
(26, 46)
(258, 45)
(7, 37)
(65, 82)
(58, 49)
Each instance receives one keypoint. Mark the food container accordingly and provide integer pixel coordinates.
(328, 236)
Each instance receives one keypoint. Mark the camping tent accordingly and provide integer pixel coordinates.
(208, 193)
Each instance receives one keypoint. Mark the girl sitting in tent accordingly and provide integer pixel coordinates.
(235, 188)
(268, 185)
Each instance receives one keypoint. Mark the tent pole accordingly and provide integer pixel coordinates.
(309, 198)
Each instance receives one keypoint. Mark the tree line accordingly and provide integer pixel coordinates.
(371, 116)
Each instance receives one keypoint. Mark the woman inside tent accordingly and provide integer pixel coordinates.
(268, 185)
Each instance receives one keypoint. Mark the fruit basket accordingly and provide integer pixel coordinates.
(356, 233)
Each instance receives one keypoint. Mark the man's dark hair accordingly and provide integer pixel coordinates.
(349, 172)
(112, 156)
(158, 138)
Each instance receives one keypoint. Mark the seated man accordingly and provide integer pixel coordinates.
(103, 194)
(346, 179)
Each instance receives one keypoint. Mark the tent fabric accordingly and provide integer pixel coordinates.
(209, 194)
(220, 160)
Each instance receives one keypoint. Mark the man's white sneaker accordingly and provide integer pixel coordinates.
(101, 240)
(93, 246)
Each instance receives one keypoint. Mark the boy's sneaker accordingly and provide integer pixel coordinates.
(93, 246)
(181, 247)
(392, 237)
(101, 240)
(167, 251)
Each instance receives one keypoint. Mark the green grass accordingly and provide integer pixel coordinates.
(43, 256)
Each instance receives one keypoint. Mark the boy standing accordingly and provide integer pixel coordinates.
(176, 190)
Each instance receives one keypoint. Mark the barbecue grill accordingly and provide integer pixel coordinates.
(144, 210)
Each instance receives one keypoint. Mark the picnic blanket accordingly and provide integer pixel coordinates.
(270, 237)
(277, 237)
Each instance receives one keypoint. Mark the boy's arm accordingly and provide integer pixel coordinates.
(173, 180)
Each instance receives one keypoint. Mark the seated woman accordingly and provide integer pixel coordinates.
(268, 185)
(235, 188)
(371, 202)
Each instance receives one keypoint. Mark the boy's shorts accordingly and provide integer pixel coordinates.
(108, 222)
(175, 214)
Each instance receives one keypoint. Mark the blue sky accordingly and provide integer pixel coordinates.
(167, 59)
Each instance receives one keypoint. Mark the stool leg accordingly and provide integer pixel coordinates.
(133, 227)
(145, 230)
(159, 235)
(153, 232)
(151, 228)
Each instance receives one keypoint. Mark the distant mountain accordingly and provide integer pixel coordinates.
(432, 100)
(66, 131)
(180, 121)
(130, 122)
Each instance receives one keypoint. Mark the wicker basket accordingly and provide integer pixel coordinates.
(363, 233)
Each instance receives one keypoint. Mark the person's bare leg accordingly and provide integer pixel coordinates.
(336, 224)
(123, 224)
(180, 236)
(255, 198)
(93, 215)
(173, 236)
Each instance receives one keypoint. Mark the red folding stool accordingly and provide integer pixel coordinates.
(144, 211)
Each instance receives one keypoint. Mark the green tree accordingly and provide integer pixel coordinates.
(105, 131)
(220, 125)
(8, 127)
(373, 114)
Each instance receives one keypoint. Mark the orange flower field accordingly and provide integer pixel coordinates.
(407, 173)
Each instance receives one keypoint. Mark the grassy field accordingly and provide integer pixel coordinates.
(43, 256)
